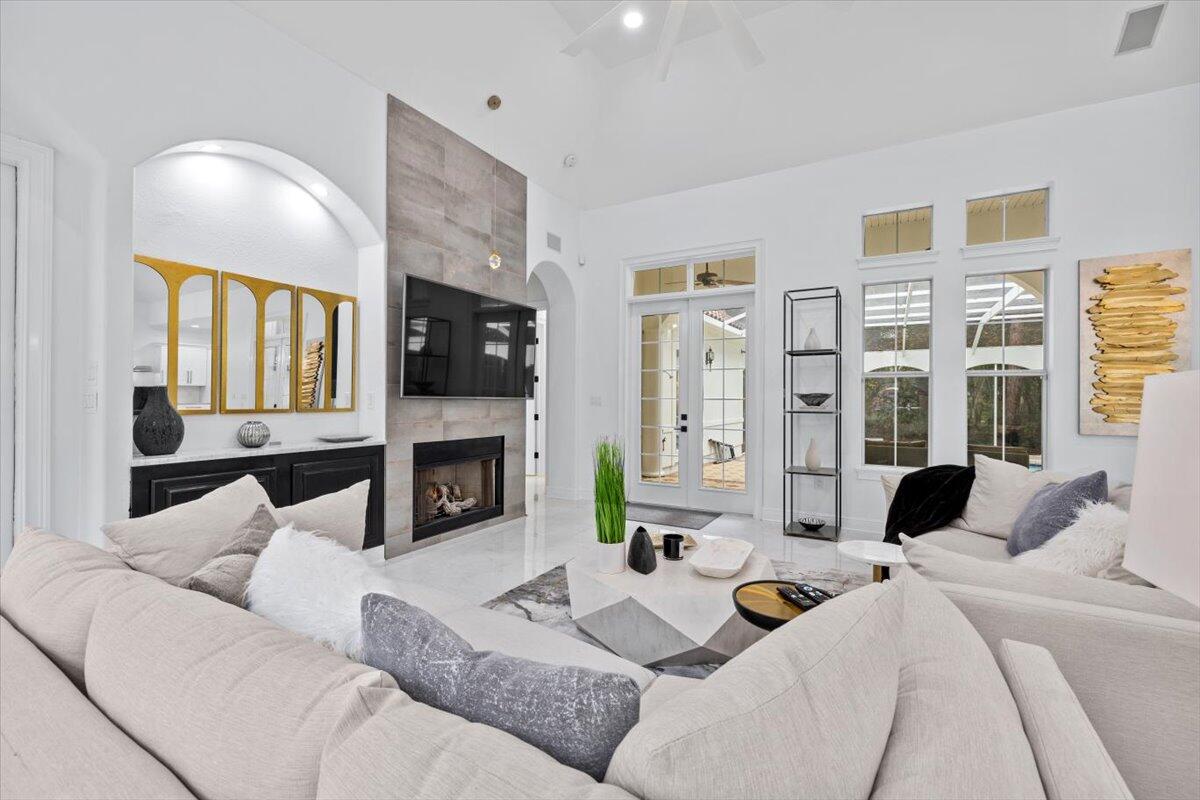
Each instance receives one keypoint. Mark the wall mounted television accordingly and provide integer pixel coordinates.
(462, 344)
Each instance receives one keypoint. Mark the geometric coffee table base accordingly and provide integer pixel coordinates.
(644, 638)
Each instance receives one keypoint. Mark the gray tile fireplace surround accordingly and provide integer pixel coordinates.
(447, 202)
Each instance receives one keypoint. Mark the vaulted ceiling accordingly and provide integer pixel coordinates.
(839, 77)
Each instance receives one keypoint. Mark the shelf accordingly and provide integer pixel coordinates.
(821, 352)
(830, 533)
(830, 411)
(820, 472)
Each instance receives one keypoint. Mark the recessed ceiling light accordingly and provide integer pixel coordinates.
(318, 190)
(211, 148)
(633, 19)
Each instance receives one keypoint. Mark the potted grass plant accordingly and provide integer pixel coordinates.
(608, 460)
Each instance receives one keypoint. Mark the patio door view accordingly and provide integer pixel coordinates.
(690, 418)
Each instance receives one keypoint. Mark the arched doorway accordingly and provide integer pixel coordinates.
(548, 280)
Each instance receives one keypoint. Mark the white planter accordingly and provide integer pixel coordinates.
(610, 558)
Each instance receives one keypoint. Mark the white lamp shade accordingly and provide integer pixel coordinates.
(1164, 510)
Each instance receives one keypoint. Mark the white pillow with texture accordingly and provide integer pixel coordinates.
(1095, 542)
(999, 494)
(342, 516)
(173, 543)
(312, 585)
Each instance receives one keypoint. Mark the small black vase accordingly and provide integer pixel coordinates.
(641, 553)
(158, 430)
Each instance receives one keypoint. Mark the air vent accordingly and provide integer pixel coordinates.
(1141, 26)
(554, 241)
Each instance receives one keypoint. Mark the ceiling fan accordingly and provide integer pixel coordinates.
(727, 14)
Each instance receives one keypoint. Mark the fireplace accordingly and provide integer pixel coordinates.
(456, 483)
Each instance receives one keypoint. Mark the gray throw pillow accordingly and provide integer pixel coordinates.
(1054, 508)
(574, 714)
(226, 574)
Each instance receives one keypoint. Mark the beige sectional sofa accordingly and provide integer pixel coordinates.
(114, 684)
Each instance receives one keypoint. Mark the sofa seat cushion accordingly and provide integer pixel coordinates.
(957, 733)
(803, 713)
(173, 543)
(1070, 756)
(941, 565)
(56, 744)
(388, 746)
(50, 588)
(976, 545)
(234, 705)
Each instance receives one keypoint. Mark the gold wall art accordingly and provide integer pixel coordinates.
(1134, 321)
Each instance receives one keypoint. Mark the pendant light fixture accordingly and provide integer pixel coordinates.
(494, 260)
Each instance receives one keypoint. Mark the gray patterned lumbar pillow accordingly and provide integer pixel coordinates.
(226, 574)
(576, 715)
(1055, 508)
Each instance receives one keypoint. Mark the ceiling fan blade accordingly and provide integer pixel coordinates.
(739, 35)
(668, 37)
(590, 33)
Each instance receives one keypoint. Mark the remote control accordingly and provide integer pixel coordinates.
(790, 595)
(813, 593)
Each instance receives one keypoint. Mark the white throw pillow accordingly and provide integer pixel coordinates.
(999, 494)
(175, 542)
(1093, 543)
(342, 516)
(312, 585)
(890, 484)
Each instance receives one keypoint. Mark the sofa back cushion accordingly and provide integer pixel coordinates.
(54, 743)
(234, 705)
(1070, 756)
(342, 516)
(388, 745)
(999, 494)
(50, 588)
(173, 543)
(943, 566)
(957, 732)
(802, 713)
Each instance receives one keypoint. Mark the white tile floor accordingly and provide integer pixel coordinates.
(488, 563)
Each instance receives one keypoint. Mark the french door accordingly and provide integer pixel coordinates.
(690, 405)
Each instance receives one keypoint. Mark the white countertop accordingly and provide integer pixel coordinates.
(242, 452)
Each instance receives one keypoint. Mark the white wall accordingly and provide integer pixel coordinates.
(236, 215)
(1126, 178)
(107, 86)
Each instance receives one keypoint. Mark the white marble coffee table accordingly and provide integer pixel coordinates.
(671, 616)
(879, 555)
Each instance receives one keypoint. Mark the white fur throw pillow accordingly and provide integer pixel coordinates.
(312, 585)
(1092, 544)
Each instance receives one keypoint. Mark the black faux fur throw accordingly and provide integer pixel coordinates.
(928, 499)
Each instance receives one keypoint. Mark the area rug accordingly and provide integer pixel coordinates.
(665, 515)
(545, 600)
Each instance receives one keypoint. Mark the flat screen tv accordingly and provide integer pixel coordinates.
(461, 344)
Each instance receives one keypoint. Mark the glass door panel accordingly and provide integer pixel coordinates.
(723, 390)
(659, 398)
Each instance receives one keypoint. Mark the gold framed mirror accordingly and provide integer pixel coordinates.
(326, 360)
(176, 315)
(257, 339)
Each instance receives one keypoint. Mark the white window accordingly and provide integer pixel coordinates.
(1006, 367)
(893, 232)
(1008, 217)
(896, 372)
(716, 273)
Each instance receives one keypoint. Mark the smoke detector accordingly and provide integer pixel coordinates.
(569, 160)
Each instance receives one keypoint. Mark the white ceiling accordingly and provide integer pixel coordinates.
(839, 78)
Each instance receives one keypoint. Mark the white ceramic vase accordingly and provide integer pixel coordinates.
(812, 341)
(610, 558)
(812, 459)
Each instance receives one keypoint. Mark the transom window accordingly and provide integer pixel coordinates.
(896, 370)
(893, 232)
(1006, 366)
(1008, 217)
(695, 276)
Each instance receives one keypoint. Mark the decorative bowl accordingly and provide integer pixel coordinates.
(813, 399)
(813, 524)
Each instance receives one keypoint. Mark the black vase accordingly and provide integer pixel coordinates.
(641, 553)
(158, 430)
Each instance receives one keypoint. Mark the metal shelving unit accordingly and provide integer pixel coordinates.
(795, 473)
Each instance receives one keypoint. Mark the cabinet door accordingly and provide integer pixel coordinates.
(193, 366)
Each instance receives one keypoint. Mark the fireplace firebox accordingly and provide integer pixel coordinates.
(456, 483)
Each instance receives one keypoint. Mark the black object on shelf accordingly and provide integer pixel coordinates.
(641, 556)
(821, 305)
(158, 427)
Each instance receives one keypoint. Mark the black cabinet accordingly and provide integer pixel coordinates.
(288, 478)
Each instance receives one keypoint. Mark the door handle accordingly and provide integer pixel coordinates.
(681, 428)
